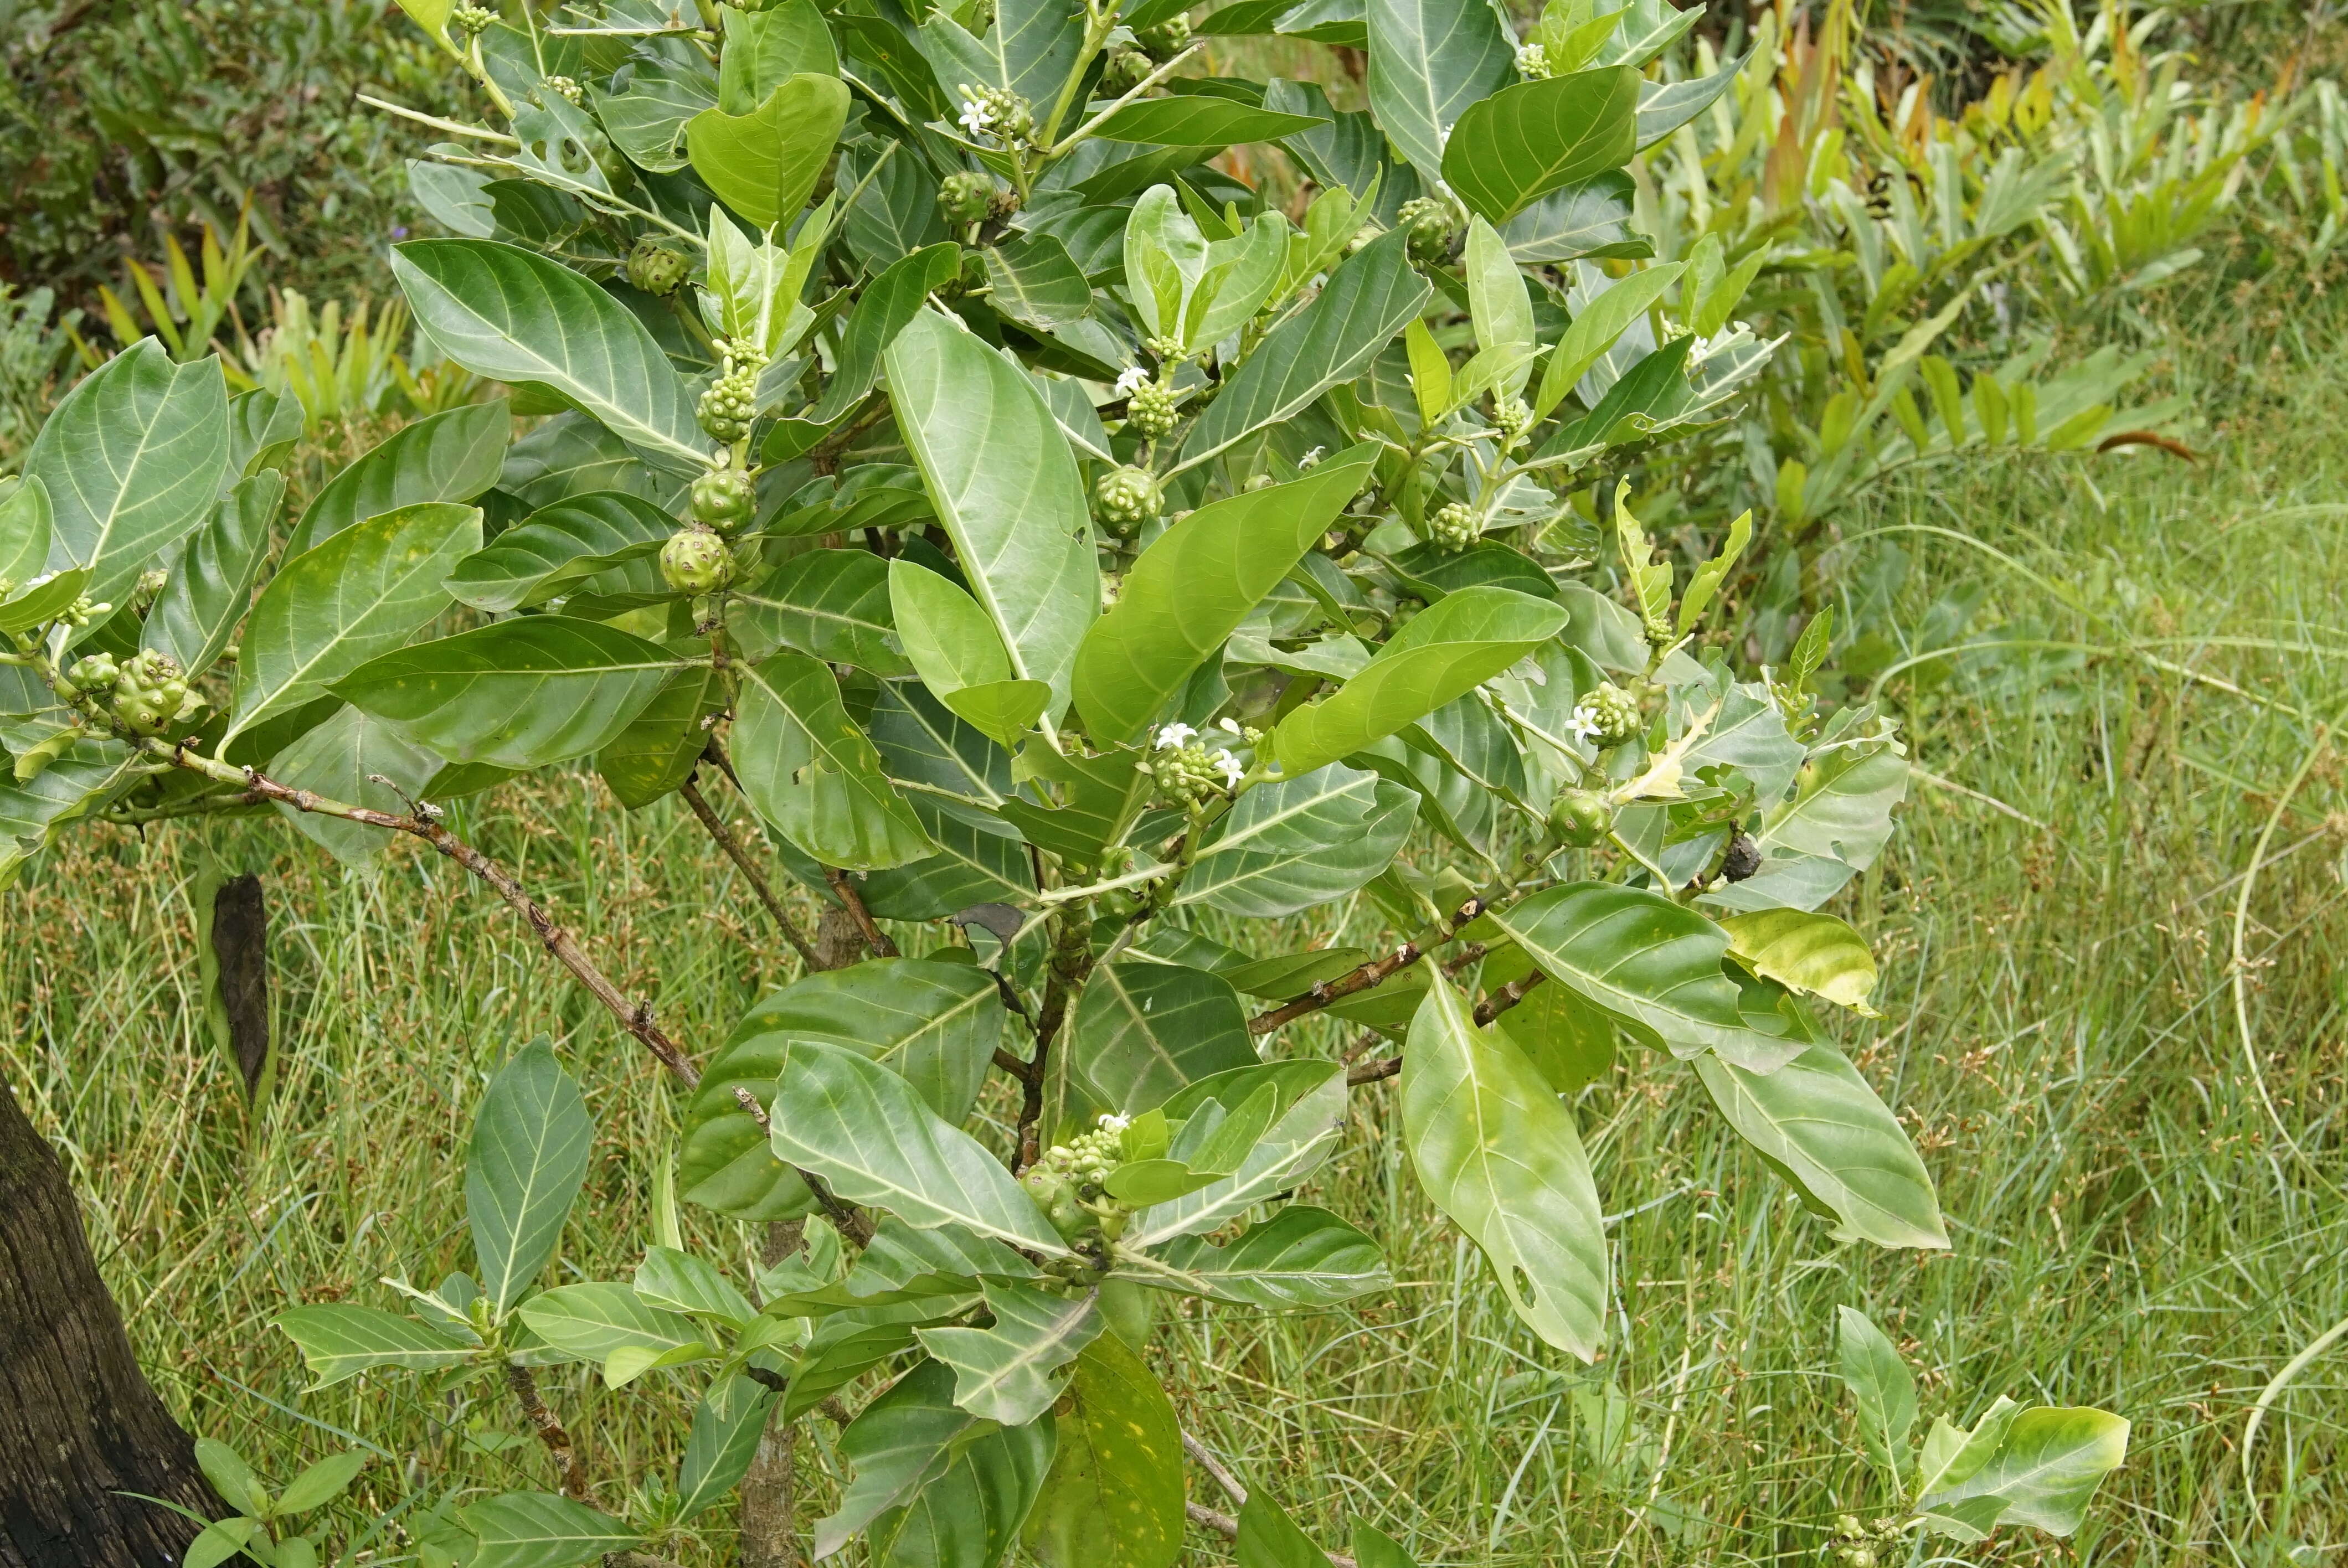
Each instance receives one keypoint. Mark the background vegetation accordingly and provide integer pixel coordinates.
(2112, 933)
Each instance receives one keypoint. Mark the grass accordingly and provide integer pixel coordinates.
(2143, 1177)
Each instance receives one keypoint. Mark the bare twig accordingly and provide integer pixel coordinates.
(1487, 1010)
(740, 857)
(1206, 1461)
(524, 1385)
(1377, 971)
(635, 1016)
(1206, 1517)
(1506, 997)
(1071, 963)
(845, 890)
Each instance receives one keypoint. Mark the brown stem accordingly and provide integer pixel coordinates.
(635, 1016)
(740, 857)
(1506, 997)
(1377, 971)
(824, 455)
(550, 1431)
(1487, 1010)
(851, 1222)
(845, 890)
(1011, 1064)
(1071, 964)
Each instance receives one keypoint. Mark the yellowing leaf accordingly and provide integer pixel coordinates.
(1805, 952)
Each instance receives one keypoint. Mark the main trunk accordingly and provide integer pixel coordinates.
(80, 1428)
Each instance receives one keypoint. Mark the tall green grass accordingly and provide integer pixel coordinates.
(2143, 1183)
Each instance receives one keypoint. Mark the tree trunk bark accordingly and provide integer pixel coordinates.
(79, 1427)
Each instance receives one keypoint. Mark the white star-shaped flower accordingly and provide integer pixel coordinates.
(1174, 737)
(1233, 771)
(1132, 379)
(1583, 725)
(977, 118)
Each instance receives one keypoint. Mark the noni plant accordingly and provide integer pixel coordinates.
(1084, 569)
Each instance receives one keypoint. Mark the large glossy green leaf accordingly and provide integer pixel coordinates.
(1268, 1538)
(210, 585)
(1301, 1256)
(935, 1486)
(1497, 1152)
(362, 592)
(1029, 51)
(262, 426)
(1195, 119)
(1447, 651)
(589, 1321)
(133, 458)
(1820, 1126)
(886, 305)
(531, 1139)
(24, 522)
(2043, 1468)
(1592, 219)
(1192, 586)
(1114, 1497)
(764, 164)
(449, 456)
(1006, 1372)
(935, 1024)
(647, 122)
(1646, 959)
(1521, 143)
(1331, 341)
(1310, 1098)
(343, 759)
(1805, 952)
(1429, 61)
(1005, 485)
(1142, 1031)
(814, 776)
(954, 648)
(832, 605)
(767, 48)
(540, 1530)
(515, 316)
(516, 693)
(654, 757)
(864, 1130)
(79, 782)
(727, 1423)
(556, 548)
(1295, 843)
(338, 1341)
(1882, 1388)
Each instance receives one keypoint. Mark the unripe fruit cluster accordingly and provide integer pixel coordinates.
(724, 499)
(696, 561)
(654, 268)
(1149, 410)
(965, 197)
(1429, 222)
(1580, 818)
(1454, 528)
(1167, 39)
(1125, 499)
(147, 694)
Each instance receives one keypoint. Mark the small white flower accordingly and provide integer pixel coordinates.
(1131, 380)
(1311, 458)
(1583, 725)
(1231, 769)
(1233, 726)
(1115, 1123)
(977, 115)
(1174, 737)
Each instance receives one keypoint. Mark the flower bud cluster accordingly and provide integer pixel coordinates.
(1150, 408)
(998, 115)
(1532, 62)
(1608, 717)
(1069, 1182)
(471, 21)
(731, 402)
(1187, 773)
